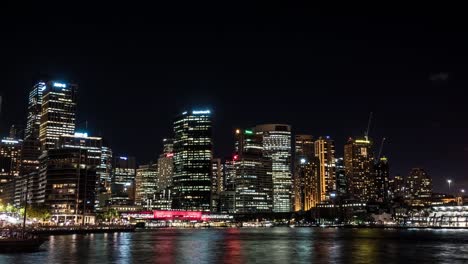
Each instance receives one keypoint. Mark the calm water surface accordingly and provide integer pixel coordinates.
(270, 245)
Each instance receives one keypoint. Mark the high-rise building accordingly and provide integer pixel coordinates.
(10, 160)
(146, 179)
(418, 187)
(341, 186)
(34, 111)
(311, 190)
(325, 152)
(69, 181)
(193, 153)
(165, 166)
(276, 142)
(229, 174)
(93, 146)
(381, 181)
(216, 183)
(253, 174)
(57, 112)
(359, 165)
(304, 153)
(123, 180)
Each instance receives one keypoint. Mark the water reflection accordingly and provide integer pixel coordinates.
(270, 245)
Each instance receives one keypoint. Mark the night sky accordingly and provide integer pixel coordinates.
(138, 67)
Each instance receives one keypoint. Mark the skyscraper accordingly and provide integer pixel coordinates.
(193, 153)
(216, 183)
(276, 141)
(341, 185)
(165, 165)
(123, 180)
(146, 177)
(34, 111)
(10, 160)
(57, 112)
(381, 181)
(325, 152)
(359, 163)
(253, 174)
(304, 153)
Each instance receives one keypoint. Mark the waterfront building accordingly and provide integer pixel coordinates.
(68, 180)
(123, 180)
(193, 152)
(325, 153)
(359, 165)
(304, 153)
(146, 179)
(341, 186)
(381, 181)
(253, 175)
(276, 142)
(10, 161)
(418, 187)
(165, 165)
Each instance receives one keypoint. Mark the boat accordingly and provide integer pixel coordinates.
(26, 244)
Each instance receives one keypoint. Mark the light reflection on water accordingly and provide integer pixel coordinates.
(270, 245)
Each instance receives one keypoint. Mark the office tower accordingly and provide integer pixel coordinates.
(93, 146)
(304, 153)
(359, 163)
(229, 174)
(216, 183)
(325, 152)
(34, 111)
(10, 157)
(311, 190)
(418, 187)
(69, 183)
(146, 179)
(193, 146)
(123, 180)
(57, 112)
(276, 141)
(105, 169)
(381, 181)
(165, 165)
(253, 174)
(341, 186)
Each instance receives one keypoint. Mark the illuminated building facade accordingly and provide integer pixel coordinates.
(325, 152)
(311, 190)
(193, 152)
(276, 141)
(146, 179)
(396, 185)
(418, 187)
(69, 181)
(381, 181)
(10, 160)
(253, 175)
(57, 112)
(165, 165)
(304, 153)
(359, 165)
(34, 111)
(123, 180)
(341, 185)
(216, 183)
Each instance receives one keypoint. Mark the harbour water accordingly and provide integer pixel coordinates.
(254, 245)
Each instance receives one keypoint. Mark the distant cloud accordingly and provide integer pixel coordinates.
(441, 76)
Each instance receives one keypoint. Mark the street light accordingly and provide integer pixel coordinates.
(449, 182)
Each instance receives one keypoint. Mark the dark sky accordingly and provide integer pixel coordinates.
(320, 72)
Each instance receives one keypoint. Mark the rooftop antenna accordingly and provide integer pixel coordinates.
(366, 134)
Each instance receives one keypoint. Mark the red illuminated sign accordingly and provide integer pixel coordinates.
(169, 155)
(177, 215)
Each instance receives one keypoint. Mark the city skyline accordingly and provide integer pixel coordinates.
(358, 64)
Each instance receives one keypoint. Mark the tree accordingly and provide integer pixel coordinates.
(40, 212)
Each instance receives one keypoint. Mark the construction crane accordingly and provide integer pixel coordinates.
(381, 147)
(366, 134)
